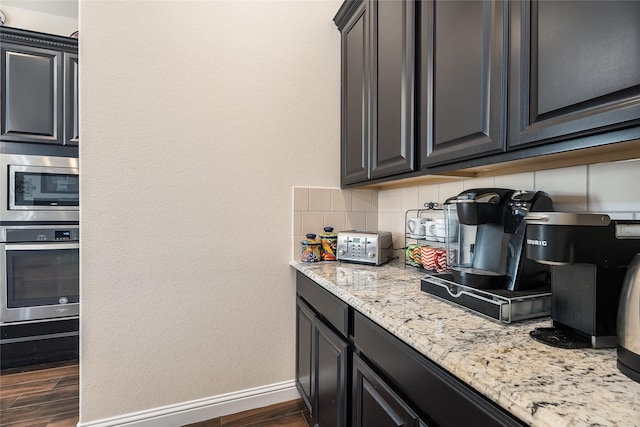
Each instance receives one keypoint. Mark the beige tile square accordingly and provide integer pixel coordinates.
(391, 221)
(517, 181)
(390, 200)
(312, 222)
(356, 221)
(614, 186)
(320, 199)
(341, 200)
(449, 189)
(300, 198)
(337, 220)
(566, 186)
(297, 223)
(410, 197)
(484, 182)
(372, 221)
(361, 200)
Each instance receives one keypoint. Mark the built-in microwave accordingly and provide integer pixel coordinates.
(39, 188)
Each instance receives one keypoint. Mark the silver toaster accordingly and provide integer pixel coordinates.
(367, 247)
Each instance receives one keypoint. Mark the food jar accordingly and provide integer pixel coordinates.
(329, 242)
(311, 249)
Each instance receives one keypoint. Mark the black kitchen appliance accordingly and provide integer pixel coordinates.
(485, 232)
(588, 256)
(485, 238)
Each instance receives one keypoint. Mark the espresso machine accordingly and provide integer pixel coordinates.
(486, 227)
(588, 256)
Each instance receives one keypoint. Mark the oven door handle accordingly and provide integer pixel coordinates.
(40, 246)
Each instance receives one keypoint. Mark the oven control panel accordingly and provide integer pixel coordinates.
(24, 234)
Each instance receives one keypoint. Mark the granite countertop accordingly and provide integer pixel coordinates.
(541, 385)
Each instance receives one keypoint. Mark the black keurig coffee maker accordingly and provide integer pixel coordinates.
(588, 255)
(485, 238)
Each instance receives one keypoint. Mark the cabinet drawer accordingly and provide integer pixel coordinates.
(327, 306)
(438, 395)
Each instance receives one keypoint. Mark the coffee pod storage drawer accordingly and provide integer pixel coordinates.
(495, 304)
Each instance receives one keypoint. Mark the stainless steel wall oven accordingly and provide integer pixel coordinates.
(39, 188)
(40, 272)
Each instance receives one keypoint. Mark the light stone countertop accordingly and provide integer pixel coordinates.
(539, 384)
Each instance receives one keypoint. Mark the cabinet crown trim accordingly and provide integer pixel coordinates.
(9, 34)
(345, 12)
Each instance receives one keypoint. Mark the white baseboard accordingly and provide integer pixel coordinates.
(203, 409)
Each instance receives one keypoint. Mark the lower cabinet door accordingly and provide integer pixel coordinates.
(331, 366)
(375, 404)
(304, 352)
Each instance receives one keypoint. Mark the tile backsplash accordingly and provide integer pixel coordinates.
(612, 188)
(316, 208)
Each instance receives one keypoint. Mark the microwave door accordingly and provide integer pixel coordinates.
(43, 188)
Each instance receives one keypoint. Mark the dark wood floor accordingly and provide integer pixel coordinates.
(47, 396)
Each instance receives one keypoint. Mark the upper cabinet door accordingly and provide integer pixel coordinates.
(392, 87)
(462, 74)
(71, 124)
(575, 69)
(31, 94)
(355, 98)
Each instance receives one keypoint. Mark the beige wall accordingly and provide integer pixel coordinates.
(197, 119)
(58, 17)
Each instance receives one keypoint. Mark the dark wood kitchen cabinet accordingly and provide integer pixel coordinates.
(322, 353)
(39, 87)
(375, 404)
(71, 98)
(350, 371)
(463, 81)
(571, 71)
(378, 84)
(495, 81)
(435, 396)
(574, 69)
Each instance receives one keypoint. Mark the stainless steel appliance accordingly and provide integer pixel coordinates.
(366, 247)
(629, 323)
(485, 238)
(588, 255)
(40, 272)
(39, 188)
